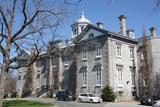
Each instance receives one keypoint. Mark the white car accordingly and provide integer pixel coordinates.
(88, 97)
(156, 104)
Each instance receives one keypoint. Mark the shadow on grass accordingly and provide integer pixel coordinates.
(22, 103)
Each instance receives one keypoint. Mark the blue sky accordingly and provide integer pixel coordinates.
(139, 13)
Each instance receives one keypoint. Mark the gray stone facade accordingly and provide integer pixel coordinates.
(96, 58)
(108, 62)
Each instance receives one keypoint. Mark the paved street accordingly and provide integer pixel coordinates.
(77, 104)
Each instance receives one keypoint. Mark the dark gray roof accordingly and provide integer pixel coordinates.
(106, 32)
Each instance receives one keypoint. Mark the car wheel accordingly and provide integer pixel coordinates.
(142, 103)
(79, 100)
(91, 101)
(66, 99)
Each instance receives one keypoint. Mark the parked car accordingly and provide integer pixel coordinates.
(65, 96)
(147, 100)
(156, 104)
(88, 97)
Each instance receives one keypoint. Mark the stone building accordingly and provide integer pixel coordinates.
(107, 58)
(52, 71)
(95, 58)
(153, 42)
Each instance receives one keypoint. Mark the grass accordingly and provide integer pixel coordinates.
(22, 103)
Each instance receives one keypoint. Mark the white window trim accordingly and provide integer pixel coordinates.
(130, 53)
(132, 69)
(82, 50)
(119, 45)
(118, 83)
(101, 76)
(99, 47)
(85, 85)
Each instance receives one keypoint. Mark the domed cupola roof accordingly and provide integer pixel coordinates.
(82, 19)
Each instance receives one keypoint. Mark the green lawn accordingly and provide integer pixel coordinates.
(21, 103)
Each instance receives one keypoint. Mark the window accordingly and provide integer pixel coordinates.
(76, 31)
(84, 76)
(82, 27)
(84, 53)
(132, 75)
(98, 50)
(45, 75)
(66, 61)
(98, 76)
(38, 76)
(91, 35)
(19, 77)
(24, 77)
(38, 70)
(119, 50)
(131, 49)
(119, 74)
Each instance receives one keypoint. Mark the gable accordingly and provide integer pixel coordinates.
(91, 33)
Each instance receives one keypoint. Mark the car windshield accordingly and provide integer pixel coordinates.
(91, 95)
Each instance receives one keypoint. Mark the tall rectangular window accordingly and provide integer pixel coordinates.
(84, 76)
(119, 50)
(66, 60)
(133, 75)
(120, 74)
(131, 50)
(84, 53)
(98, 75)
(98, 50)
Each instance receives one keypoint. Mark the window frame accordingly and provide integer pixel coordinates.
(99, 76)
(85, 77)
(133, 77)
(98, 50)
(119, 75)
(119, 50)
(131, 52)
(84, 53)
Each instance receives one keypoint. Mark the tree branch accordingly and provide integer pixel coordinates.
(34, 55)
(4, 18)
(24, 12)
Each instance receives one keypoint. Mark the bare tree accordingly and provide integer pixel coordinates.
(23, 23)
(146, 68)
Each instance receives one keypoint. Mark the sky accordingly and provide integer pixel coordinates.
(139, 13)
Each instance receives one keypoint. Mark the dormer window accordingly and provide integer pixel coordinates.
(76, 31)
(130, 33)
(91, 35)
(82, 28)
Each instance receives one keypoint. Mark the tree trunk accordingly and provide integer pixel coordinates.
(2, 81)
(60, 71)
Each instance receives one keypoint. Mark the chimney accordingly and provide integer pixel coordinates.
(122, 19)
(100, 25)
(153, 31)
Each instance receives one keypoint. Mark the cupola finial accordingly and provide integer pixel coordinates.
(82, 14)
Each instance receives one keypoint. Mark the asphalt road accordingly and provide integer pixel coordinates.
(77, 104)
